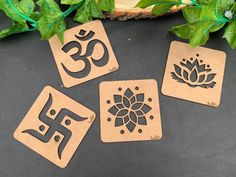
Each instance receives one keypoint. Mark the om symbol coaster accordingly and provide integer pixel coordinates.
(86, 54)
(130, 111)
(194, 74)
(55, 126)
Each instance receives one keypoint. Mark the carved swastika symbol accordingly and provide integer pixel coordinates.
(54, 126)
(85, 55)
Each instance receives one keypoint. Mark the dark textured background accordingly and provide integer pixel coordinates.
(198, 141)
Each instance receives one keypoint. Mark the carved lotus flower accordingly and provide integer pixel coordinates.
(194, 74)
(129, 110)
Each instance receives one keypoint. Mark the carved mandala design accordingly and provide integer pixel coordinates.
(129, 110)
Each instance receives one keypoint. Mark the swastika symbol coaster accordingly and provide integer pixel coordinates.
(85, 55)
(130, 111)
(194, 74)
(55, 126)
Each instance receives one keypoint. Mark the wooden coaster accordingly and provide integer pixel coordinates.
(85, 55)
(55, 126)
(194, 74)
(130, 111)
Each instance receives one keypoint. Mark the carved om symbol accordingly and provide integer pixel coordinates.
(99, 62)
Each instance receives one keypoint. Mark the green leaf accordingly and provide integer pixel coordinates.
(10, 12)
(204, 2)
(95, 10)
(224, 5)
(35, 16)
(27, 6)
(208, 12)
(182, 31)
(107, 5)
(17, 11)
(147, 3)
(201, 22)
(216, 27)
(191, 14)
(230, 34)
(160, 9)
(200, 34)
(71, 2)
(83, 14)
(88, 10)
(17, 27)
(160, 6)
(51, 22)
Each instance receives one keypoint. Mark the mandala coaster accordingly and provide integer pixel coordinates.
(55, 126)
(85, 55)
(194, 74)
(130, 111)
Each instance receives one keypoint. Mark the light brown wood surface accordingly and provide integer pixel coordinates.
(90, 32)
(130, 111)
(125, 9)
(34, 130)
(204, 64)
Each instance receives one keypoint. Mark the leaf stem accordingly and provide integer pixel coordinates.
(66, 13)
(30, 29)
(196, 4)
(71, 9)
(220, 18)
(22, 15)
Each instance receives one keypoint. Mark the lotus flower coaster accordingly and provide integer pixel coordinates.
(55, 126)
(85, 55)
(130, 111)
(194, 74)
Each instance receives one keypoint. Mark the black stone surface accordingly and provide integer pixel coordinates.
(198, 141)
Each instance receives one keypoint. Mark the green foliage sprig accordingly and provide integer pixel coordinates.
(49, 19)
(203, 17)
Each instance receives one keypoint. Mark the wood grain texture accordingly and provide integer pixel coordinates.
(101, 61)
(130, 111)
(209, 64)
(125, 9)
(48, 133)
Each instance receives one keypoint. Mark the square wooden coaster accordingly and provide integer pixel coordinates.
(130, 111)
(194, 74)
(55, 126)
(85, 55)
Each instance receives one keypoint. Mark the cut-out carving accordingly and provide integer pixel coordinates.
(54, 126)
(193, 73)
(99, 62)
(87, 54)
(126, 117)
(129, 110)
